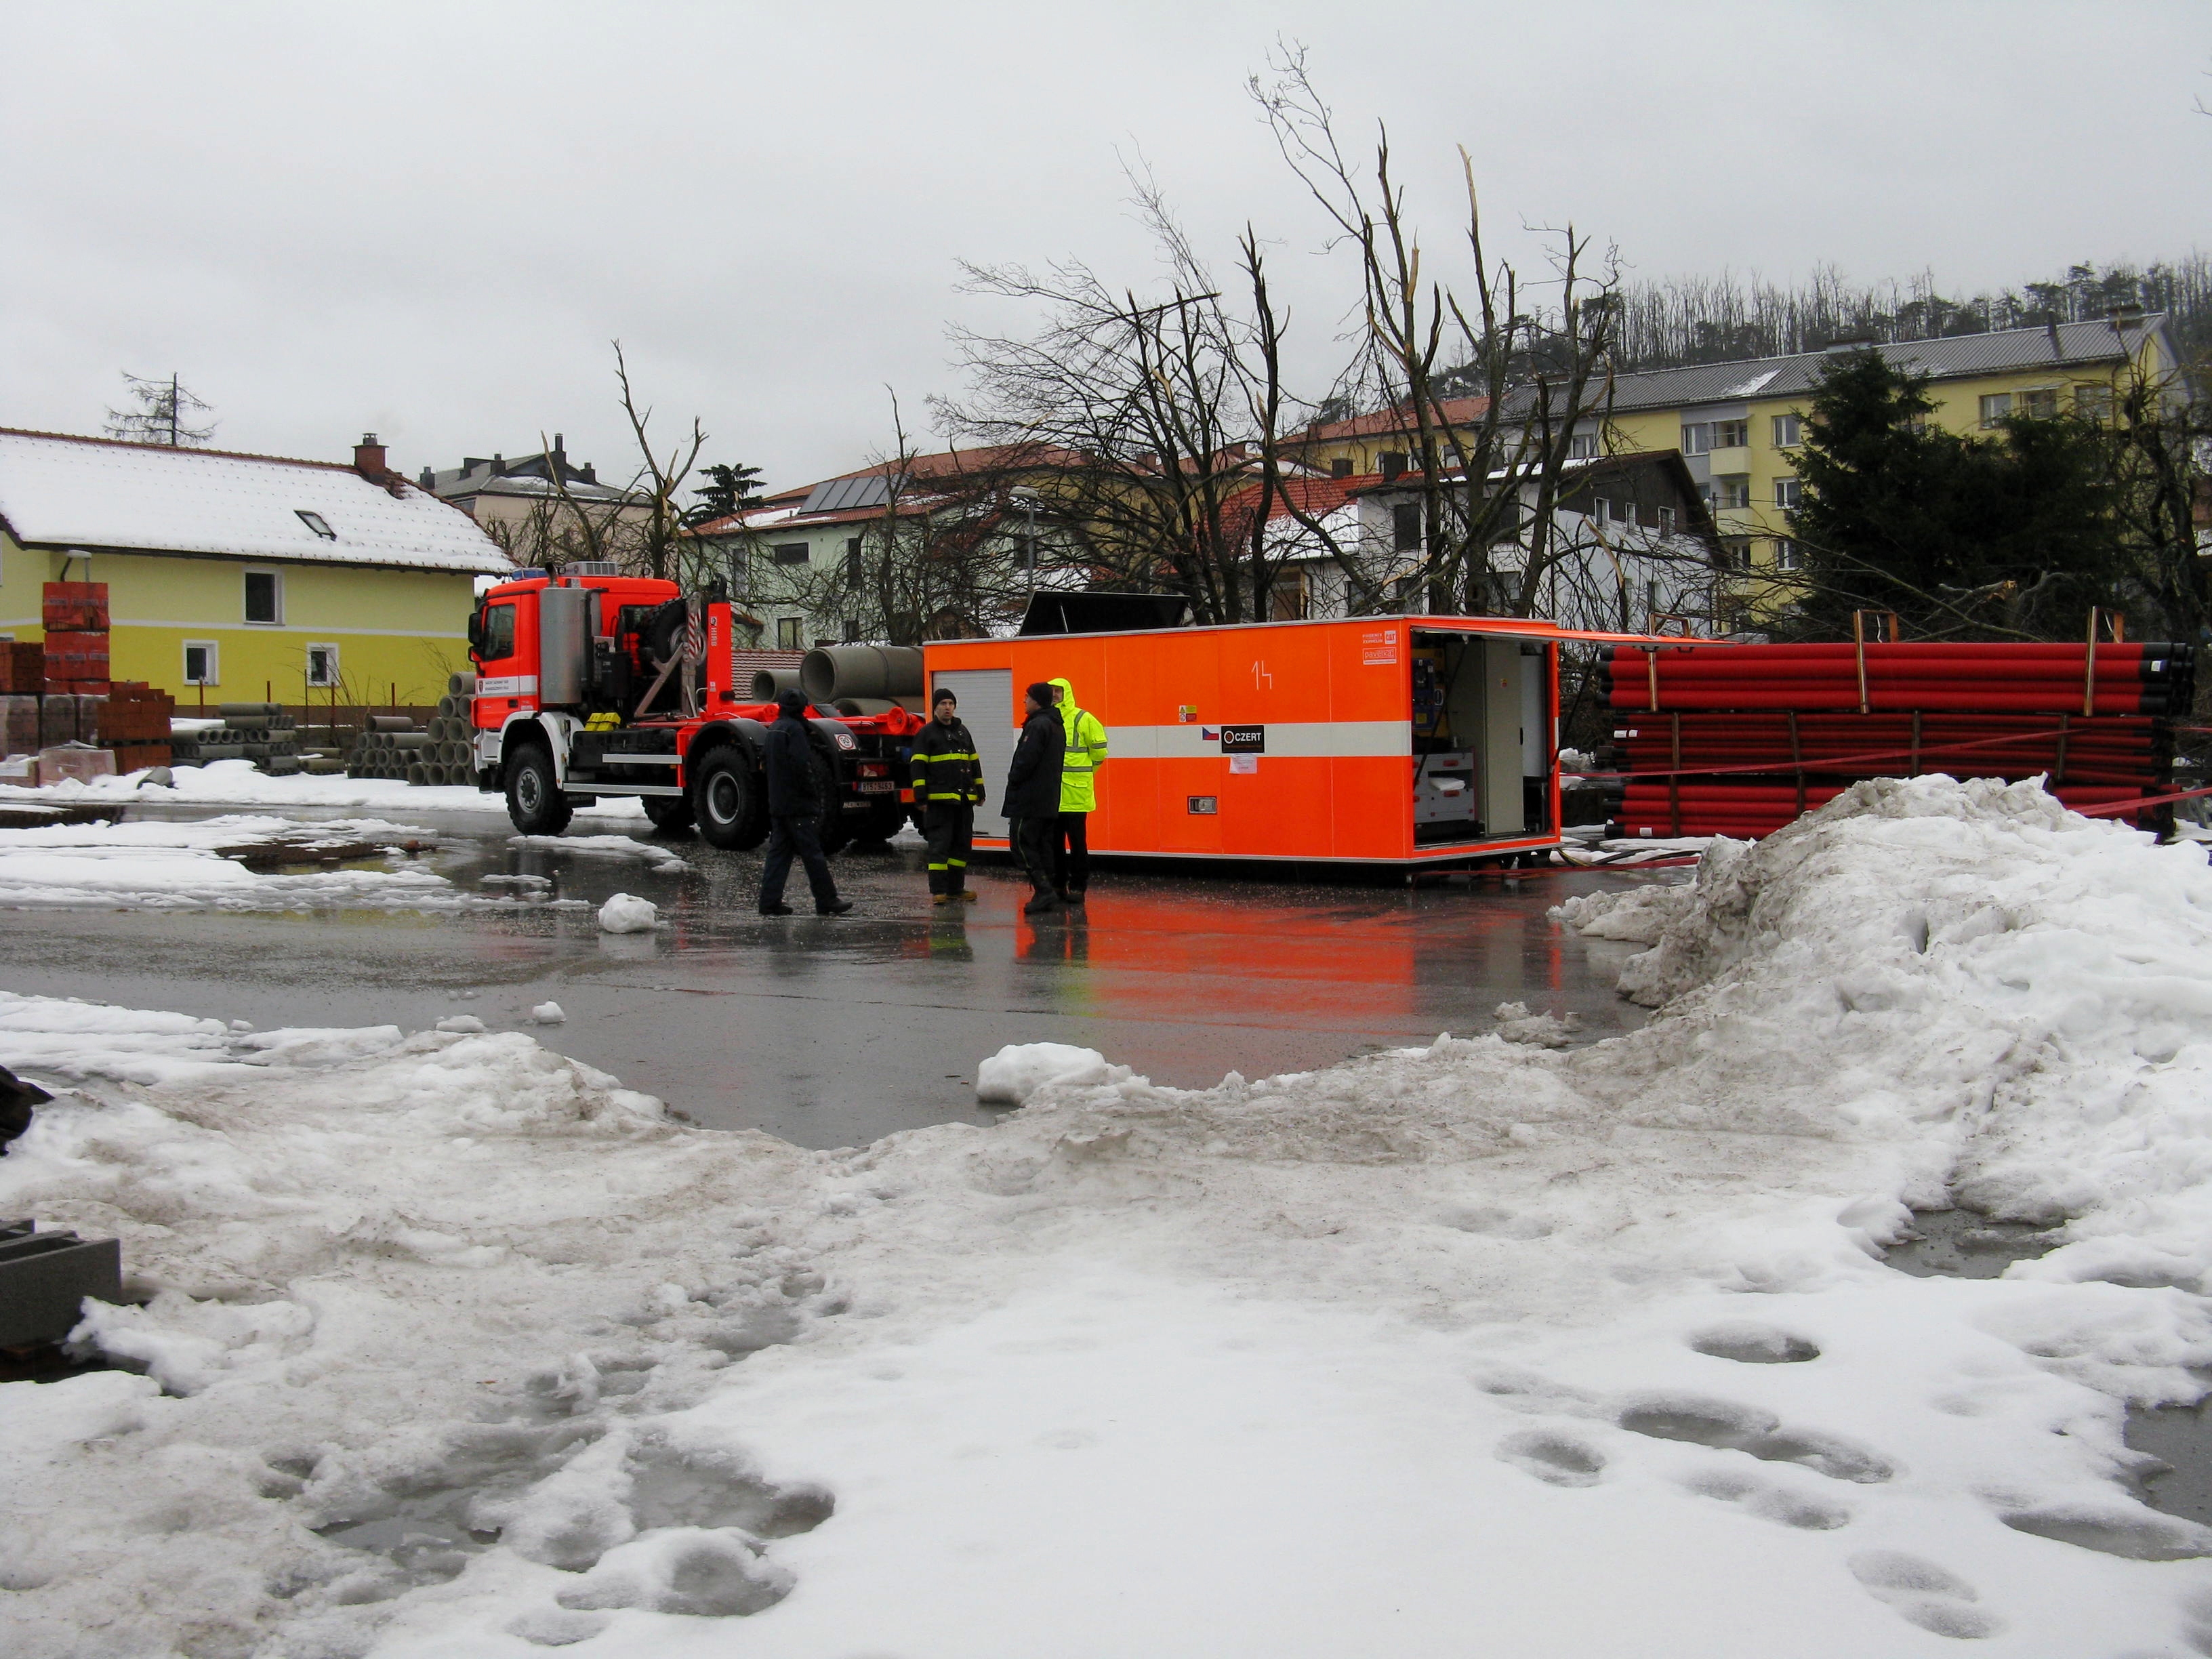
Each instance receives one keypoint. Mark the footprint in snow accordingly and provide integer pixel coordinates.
(1727, 1424)
(1919, 1591)
(1769, 1501)
(1558, 1460)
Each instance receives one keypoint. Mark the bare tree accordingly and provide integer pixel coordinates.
(1535, 352)
(163, 415)
(652, 542)
(943, 554)
(1148, 431)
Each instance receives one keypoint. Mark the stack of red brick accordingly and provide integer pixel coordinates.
(75, 618)
(134, 722)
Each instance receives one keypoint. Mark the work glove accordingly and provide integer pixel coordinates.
(976, 796)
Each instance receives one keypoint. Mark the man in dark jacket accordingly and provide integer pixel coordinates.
(1032, 798)
(948, 787)
(796, 805)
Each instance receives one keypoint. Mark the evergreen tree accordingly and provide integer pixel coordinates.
(728, 491)
(2015, 533)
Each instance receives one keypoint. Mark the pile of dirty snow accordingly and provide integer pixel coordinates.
(455, 1348)
(183, 867)
(239, 783)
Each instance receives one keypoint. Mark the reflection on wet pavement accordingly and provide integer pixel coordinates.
(836, 1031)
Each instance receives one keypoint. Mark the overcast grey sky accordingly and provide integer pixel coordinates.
(429, 219)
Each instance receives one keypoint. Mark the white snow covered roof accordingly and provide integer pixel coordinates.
(95, 493)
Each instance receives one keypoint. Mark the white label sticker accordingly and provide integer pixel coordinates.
(1378, 647)
(1242, 764)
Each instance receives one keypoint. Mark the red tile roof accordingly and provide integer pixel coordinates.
(1393, 423)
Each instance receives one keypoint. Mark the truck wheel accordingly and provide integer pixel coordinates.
(726, 802)
(669, 813)
(534, 801)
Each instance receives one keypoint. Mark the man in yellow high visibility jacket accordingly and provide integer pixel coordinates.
(1078, 794)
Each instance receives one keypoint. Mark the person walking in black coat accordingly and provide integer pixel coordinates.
(948, 787)
(796, 805)
(1031, 802)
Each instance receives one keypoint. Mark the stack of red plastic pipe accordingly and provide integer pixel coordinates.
(1737, 740)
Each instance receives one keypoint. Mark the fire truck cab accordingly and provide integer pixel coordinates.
(591, 683)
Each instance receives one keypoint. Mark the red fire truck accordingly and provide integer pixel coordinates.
(591, 683)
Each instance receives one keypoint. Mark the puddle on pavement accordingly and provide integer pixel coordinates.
(1963, 1244)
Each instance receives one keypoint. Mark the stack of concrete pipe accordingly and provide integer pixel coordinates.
(262, 732)
(394, 747)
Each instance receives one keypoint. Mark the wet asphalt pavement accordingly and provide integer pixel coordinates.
(834, 1031)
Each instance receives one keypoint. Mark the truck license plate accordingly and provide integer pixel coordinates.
(879, 788)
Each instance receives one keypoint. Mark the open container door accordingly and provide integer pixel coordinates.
(1481, 703)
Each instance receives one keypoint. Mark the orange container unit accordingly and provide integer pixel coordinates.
(1400, 741)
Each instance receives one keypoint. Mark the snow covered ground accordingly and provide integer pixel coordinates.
(150, 865)
(236, 783)
(457, 1348)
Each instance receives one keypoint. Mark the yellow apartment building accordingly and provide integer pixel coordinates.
(244, 578)
(1738, 424)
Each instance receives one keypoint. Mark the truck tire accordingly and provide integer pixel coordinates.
(726, 801)
(669, 813)
(534, 804)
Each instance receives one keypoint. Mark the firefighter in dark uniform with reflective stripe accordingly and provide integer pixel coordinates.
(948, 787)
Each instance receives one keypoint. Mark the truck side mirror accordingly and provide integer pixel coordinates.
(477, 634)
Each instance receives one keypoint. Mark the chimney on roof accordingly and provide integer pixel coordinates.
(428, 480)
(498, 464)
(369, 458)
(591, 473)
(560, 456)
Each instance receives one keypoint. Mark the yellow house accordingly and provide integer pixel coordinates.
(245, 578)
(1737, 425)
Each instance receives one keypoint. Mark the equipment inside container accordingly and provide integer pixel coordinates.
(1481, 741)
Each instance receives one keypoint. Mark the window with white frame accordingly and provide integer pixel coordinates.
(1788, 431)
(203, 662)
(787, 632)
(322, 665)
(2093, 402)
(1732, 491)
(1582, 446)
(1666, 521)
(1995, 406)
(1697, 437)
(1789, 555)
(1786, 494)
(264, 596)
(1731, 434)
(1734, 553)
(2041, 404)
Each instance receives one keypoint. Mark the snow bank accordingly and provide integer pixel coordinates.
(1017, 1070)
(456, 1349)
(236, 782)
(624, 914)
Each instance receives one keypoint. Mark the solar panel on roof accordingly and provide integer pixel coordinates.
(844, 495)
